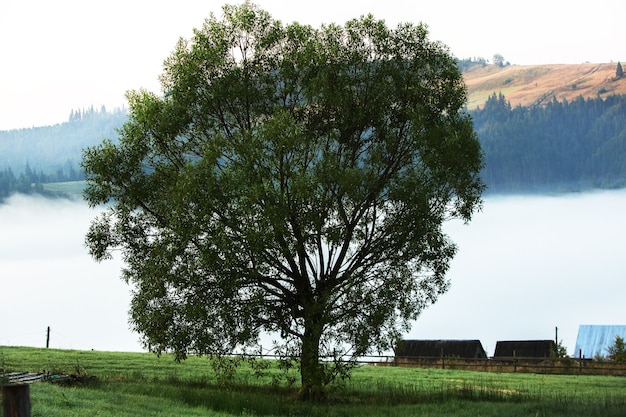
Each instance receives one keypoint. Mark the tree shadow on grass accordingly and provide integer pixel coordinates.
(268, 400)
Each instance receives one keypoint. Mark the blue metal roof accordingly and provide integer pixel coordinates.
(595, 340)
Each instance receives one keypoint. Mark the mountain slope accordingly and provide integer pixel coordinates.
(539, 84)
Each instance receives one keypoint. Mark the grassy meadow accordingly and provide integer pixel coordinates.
(141, 384)
(72, 189)
(529, 84)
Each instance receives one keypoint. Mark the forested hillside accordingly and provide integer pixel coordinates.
(557, 146)
(30, 157)
(561, 146)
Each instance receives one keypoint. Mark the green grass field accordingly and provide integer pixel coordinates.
(141, 384)
(73, 189)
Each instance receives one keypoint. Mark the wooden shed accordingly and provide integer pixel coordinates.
(527, 349)
(463, 349)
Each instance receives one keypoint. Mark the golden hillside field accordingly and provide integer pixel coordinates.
(530, 84)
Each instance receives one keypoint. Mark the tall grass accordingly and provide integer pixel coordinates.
(138, 384)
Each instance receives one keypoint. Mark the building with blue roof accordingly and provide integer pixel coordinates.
(594, 340)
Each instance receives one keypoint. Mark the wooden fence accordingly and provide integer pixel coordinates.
(557, 366)
(565, 366)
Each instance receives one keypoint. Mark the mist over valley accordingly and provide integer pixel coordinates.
(525, 265)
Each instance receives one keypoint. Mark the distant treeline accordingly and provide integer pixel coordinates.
(562, 146)
(35, 156)
(31, 182)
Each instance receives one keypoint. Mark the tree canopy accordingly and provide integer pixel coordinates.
(290, 180)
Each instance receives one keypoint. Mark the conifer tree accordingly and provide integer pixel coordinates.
(617, 351)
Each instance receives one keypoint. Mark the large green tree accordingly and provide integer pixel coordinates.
(291, 180)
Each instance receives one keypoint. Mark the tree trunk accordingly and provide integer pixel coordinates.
(311, 370)
(15, 400)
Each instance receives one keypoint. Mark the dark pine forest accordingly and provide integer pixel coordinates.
(562, 146)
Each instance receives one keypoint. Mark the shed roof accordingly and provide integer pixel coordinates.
(595, 340)
(525, 349)
(437, 348)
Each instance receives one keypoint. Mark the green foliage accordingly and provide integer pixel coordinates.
(619, 71)
(498, 60)
(259, 367)
(225, 368)
(560, 351)
(4, 379)
(617, 351)
(288, 367)
(289, 179)
(468, 63)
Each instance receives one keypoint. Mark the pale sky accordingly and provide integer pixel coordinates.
(60, 55)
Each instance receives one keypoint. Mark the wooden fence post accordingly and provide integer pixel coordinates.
(580, 361)
(16, 400)
(443, 360)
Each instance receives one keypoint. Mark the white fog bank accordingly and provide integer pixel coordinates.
(47, 278)
(525, 265)
(528, 264)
